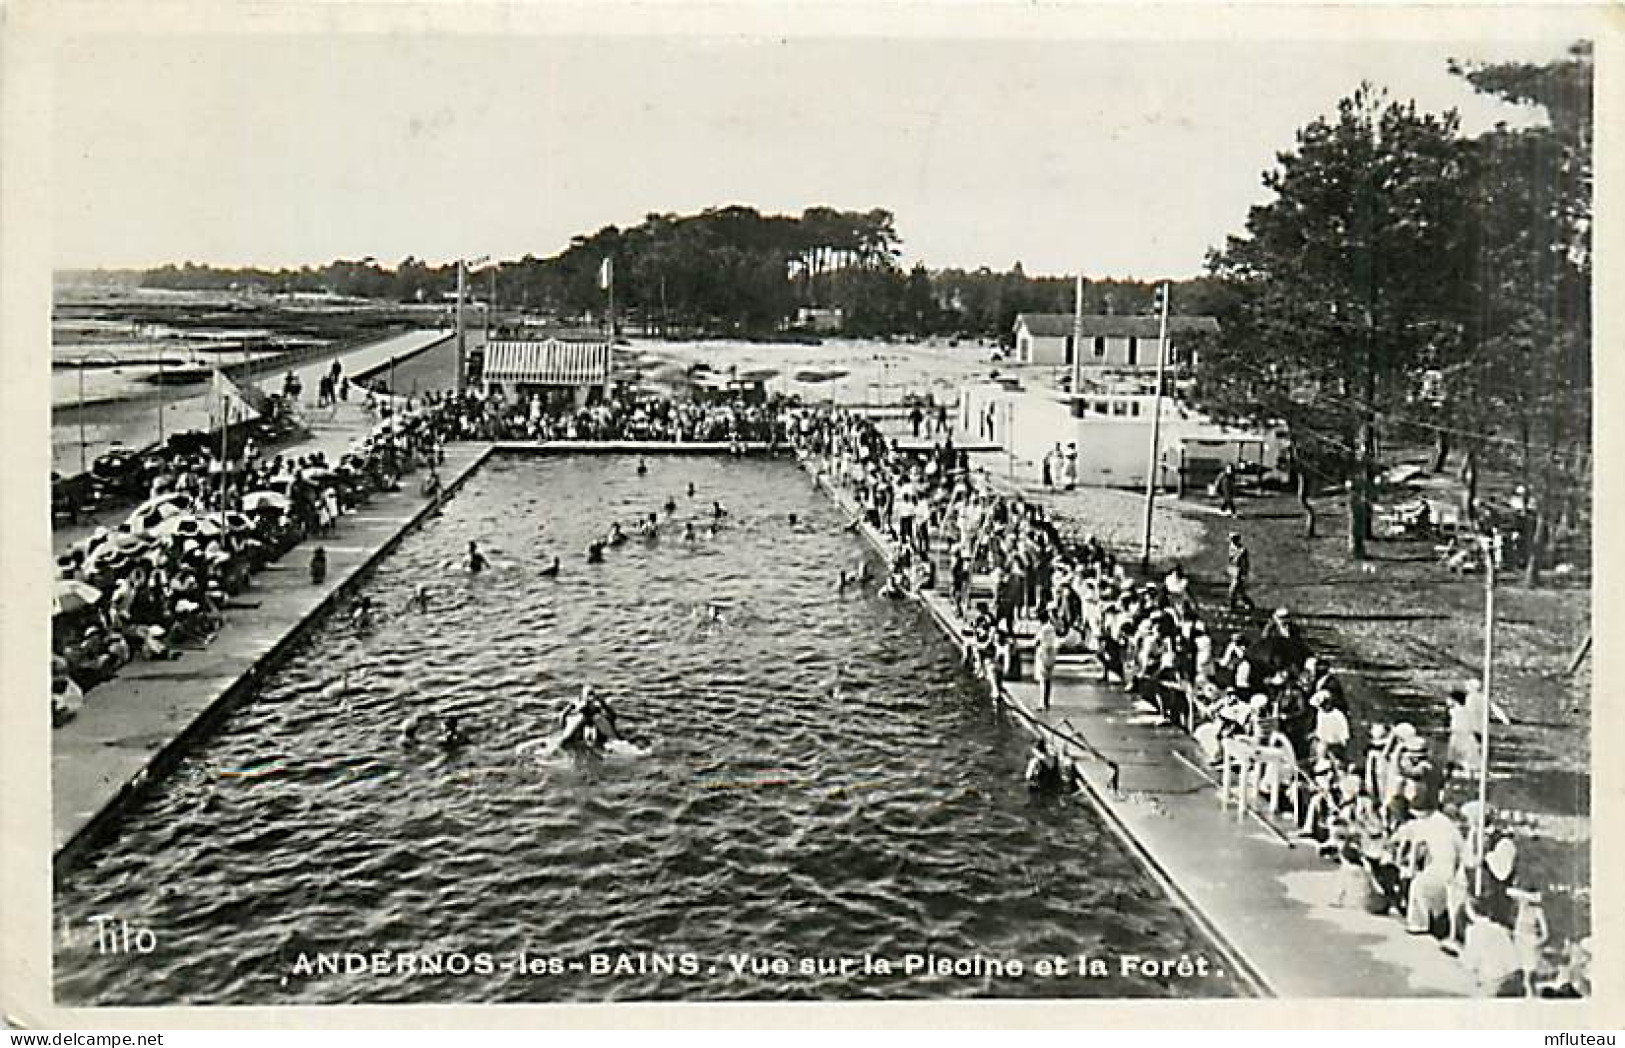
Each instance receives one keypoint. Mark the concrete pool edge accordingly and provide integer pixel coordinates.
(89, 827)
(1249, 901)
(1216, 925)
(100, 822)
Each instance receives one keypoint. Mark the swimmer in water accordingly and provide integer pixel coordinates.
(793, 520)
(475, 562)
(451, 735)
(864, 575)
(616, 535)
(671, 505)
(595, 552)
(552, 570)
(717, 512)
(691, 489)
(643, 468)
(419, 601)
(842, 582)
(688, 531)
(361, 614)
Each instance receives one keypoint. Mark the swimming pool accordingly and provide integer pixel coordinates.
(826, 783)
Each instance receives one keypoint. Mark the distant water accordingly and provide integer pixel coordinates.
(825, 783)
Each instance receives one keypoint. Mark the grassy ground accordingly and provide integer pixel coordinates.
(1402, 631)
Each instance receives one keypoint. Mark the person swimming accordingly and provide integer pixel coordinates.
(688, 531)
(452, 735)
(842, 581)
(361, 614)
(594, 720)
(616, 535)
(419, 601)
(691, 489)
(1044, 773)
(475, 561)
(449, 735)
(552, 570)
(671, 505)
(595, 552)
(717, 512)
(793, 520)
(643, 468)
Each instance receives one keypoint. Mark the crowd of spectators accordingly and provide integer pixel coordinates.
(161, 580)
(622, 415)
(1392, 808)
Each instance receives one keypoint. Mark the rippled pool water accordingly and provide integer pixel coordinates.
(825, 783)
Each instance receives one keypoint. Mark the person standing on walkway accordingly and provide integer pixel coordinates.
(1226, 487)
(1239, 567)
(1044, 656)
(1069, 469)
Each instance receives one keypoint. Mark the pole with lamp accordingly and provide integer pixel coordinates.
(1152, 472)
(463, 265)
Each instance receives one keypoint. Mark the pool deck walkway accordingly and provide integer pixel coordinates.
(1263, 899)
(136, 726)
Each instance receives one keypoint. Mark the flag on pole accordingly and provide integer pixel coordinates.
(227, 402)
(606, 273)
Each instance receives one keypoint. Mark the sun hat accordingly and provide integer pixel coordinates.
(1404, 730)
(1501, 858)
(1379, 734)
(1414, 744)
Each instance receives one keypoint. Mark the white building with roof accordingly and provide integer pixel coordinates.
(1109, 340)
(574, 363)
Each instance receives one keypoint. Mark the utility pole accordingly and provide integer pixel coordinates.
(82, 467)
(1077, 344)
(491, 306)
(1484, 723)
(1152, 472)
(161, 388)
(462, 344)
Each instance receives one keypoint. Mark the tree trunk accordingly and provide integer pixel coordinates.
(1441, 451)
(1360, 489)
(1469, 477)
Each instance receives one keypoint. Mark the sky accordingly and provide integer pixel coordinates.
(1120, 158)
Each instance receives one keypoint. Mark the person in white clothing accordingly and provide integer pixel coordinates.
(1045, 655)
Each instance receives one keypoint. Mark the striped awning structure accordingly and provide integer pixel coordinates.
(547, 362)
